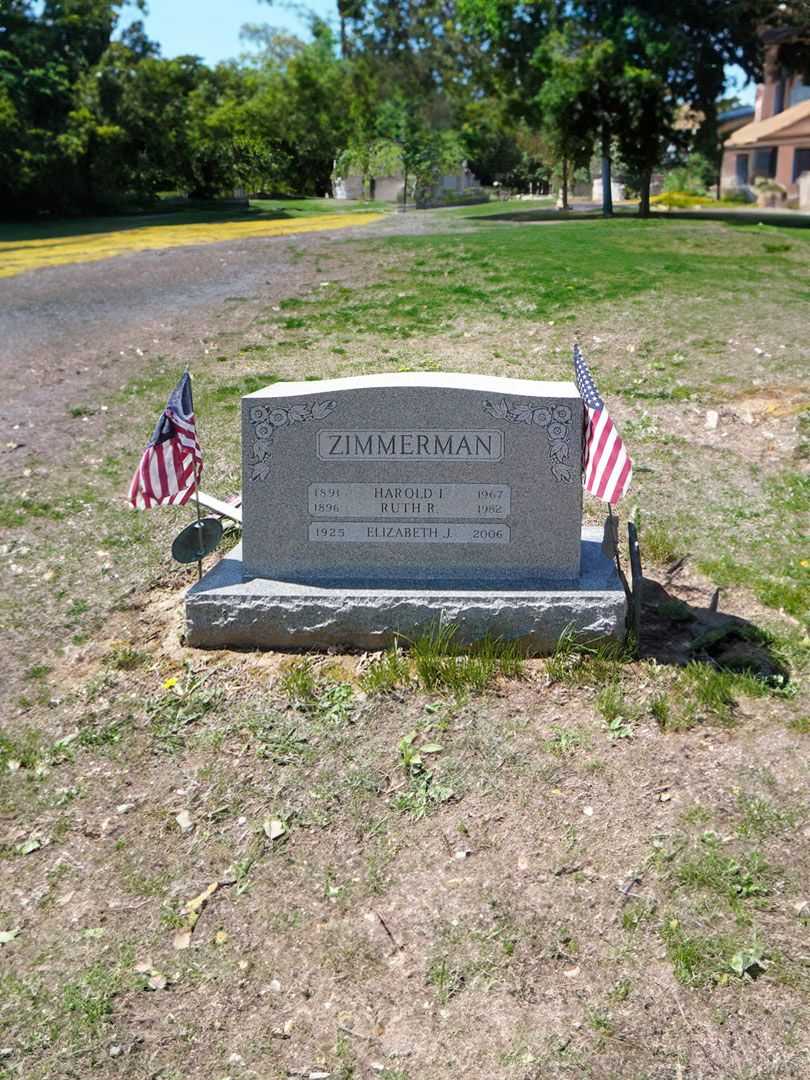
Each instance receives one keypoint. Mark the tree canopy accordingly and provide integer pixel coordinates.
(91, 114)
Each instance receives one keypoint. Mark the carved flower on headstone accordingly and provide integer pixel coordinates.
(554, 420)
(266, 423)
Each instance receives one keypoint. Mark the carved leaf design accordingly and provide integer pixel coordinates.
(521, 414)
(321, 409)
(500, 410)
(299, 412)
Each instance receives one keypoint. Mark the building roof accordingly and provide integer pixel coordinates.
(735, 114)
(774, 127)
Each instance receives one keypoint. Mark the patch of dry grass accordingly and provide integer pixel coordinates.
(18, 257)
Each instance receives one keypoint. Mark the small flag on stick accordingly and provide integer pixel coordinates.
(607, 468)
(172, 462)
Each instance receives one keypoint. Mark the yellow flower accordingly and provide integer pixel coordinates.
(169, 683)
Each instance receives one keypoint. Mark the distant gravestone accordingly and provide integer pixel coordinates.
(374, 505)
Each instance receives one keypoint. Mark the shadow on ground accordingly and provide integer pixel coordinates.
(675, 632)
(793, 219)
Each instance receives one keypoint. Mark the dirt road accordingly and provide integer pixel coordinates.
(70, 332)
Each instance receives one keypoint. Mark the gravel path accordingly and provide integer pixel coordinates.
(68, 334)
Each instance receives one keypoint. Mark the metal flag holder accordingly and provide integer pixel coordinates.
(197, 540)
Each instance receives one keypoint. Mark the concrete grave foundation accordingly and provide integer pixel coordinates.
(229, 608)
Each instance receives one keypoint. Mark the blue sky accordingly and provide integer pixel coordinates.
(210, 29)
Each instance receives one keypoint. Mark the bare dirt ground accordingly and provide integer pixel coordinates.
(226, 865)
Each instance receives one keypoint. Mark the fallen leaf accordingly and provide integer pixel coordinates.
(197, 903)
(183, 819)
(274, 828)
(8, 935)
(587, 811)
(571, 973)
(158, 982)
(143, 968)
(28, 846)
(182, 939)
(431, 748)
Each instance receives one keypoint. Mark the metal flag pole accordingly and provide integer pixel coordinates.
(199, 516)
(199, 527)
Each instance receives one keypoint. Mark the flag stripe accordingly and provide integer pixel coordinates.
(606, 467)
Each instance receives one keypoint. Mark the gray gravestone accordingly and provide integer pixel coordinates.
(392, 479)
(373, 505)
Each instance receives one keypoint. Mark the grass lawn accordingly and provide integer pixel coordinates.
(413, 865)
(31, 246)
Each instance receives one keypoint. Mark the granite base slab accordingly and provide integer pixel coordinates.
(224, 610)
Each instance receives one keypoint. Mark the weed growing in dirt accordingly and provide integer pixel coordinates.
(441, 663)
(446, 979)
(709, 870)
(436, 661)
(391, 670)
(21, 752)
(181, 704)
(658, 544)
(703, 693)
(801, 725)
(619, 715)
(324, 700)
(697, 960)
(564, 741)
(424, 793)
(88, 1000)
(586, 663)
(761, 818)
(700, 960)
(277, 739)
(125, 658)
(636, 913)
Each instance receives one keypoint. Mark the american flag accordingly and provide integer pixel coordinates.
(607, 467)
(172, 462)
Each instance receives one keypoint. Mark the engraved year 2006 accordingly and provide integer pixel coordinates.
(498, 533)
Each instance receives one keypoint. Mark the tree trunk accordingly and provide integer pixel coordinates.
(607, 191)
(644, 199)
(565, 184)
(405, 191)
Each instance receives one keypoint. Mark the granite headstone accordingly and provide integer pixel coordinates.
(413, 478)
(374, 505)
